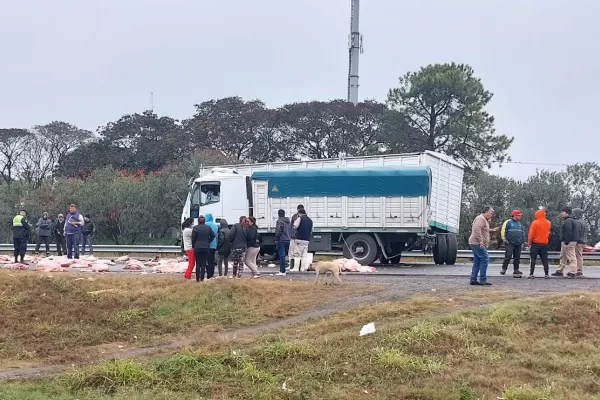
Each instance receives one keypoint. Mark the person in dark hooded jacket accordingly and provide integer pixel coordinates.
(44, 232)
(202, 236)
(283, 233)
(223, 247)
(569, 235)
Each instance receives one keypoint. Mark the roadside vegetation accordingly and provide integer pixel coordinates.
(493, 345)
(55, 318)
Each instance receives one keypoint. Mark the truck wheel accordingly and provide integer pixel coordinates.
(361, 247)
(439, 249)
(451, 249)
(266, 256)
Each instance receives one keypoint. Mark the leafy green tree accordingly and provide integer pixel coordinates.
(146, 141)
(442, 108)
(584, 182)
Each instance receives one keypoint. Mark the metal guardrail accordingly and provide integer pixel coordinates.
(153, 249)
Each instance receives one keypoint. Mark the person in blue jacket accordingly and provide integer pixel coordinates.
(513, 235)
(210, 271)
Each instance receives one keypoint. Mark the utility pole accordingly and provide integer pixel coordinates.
(355, 49)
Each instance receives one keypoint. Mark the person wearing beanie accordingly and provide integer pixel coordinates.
(581, 238)
(569, 234)
(538, 238)
(513, 236)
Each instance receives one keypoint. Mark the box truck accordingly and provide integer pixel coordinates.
(371, 208)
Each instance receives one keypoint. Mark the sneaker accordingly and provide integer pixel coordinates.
(531, 277)
(503, 272)
(486, 283)
(475, 283)
(571, 275)
(280, 274)
(579, 273)
(256, 276)
(230, 277)
(517, 272)
(558, 273)
(547, 276)
(516, 275)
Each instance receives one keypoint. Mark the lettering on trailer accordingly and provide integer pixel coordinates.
(275, 190)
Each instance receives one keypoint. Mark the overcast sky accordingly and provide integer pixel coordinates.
(89, 62)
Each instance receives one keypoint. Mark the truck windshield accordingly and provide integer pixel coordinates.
(206, 193)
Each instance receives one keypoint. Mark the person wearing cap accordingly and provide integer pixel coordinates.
(569, 234)
(20, 235)
(513, 235)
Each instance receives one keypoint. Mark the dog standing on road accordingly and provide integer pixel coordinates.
(328, 266)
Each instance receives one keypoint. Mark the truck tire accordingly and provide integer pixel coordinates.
(440, 249)
(451, 249)
(361, 247)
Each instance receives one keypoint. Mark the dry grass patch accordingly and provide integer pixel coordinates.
(64, 317)
(524, 349)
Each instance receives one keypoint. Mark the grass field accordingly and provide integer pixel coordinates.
(50, 318)
(463, 346)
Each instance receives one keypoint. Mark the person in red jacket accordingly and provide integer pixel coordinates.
(538, 238)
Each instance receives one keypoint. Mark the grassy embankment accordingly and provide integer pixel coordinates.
(474, 345)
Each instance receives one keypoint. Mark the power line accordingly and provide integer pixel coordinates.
(535, 163)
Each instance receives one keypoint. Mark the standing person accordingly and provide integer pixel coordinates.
(239, 244)
(292, 249)
(186, 236)
(538, 238)
(253, 241)
(20, 235)
(581, 240)
(513, 235)
(88, 230)
(283, 233)
(569, 234)
(213, 245)
(73, 226)
(59, 235)
(44, 231)
(223, 247)
(479, 242)
(303, 226)
(202, 235)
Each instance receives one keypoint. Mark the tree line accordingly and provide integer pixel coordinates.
(132, 174)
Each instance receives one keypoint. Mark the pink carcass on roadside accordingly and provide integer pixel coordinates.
(171, 268)
(351, 265)
(15, 266)
(99, 267)
(45, 265)
(134, 265)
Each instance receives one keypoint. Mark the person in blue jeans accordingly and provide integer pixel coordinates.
(479, 242)
(283, 233)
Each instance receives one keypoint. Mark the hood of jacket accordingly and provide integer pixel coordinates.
(284, 219)
(577, 213)
(223, 223)
(209, 217)
(540, 214)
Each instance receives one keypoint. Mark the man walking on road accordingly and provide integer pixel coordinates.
(569, 234)
(539, 235)
(513, 235)
(581, 239)
(479, 242)
(20, 235)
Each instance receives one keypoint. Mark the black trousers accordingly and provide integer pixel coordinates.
(202, 258)
(61, 245)
(512, 251)
(542, 251)
(210, 267)
(20, 246)
(40, 240)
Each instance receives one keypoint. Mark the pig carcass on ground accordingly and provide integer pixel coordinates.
(15, 266)
(172, 268)
(134, 265)
(99, 267)
(46, 265)
(351, 265)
